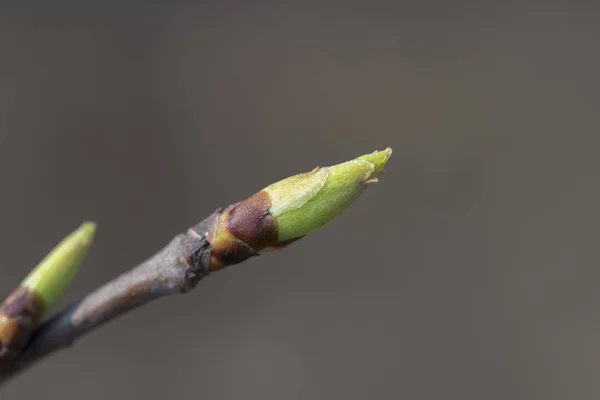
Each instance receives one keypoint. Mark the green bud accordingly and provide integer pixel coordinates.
(54, 273)
(284, 211)
(305, 202)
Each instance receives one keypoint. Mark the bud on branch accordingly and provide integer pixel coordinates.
(287, 210)
(41, 289)
(270, 219)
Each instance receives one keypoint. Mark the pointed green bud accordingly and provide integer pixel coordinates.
(54, 273)
(21, 312)
(305, 202)
(284, 211)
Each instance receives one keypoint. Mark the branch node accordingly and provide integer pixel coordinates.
(195, 255)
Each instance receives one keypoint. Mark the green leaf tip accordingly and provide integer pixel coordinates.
(378, 159)
(51, 277)
(305, 202)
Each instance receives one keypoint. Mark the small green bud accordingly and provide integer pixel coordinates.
(305, 202)
(54, 273)
(22, 310)
(284, 211)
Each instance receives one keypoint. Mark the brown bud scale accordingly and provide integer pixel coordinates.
(239, 231)
(19, 315)
(250, 221)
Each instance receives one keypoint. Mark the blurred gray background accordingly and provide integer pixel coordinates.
(470, 272)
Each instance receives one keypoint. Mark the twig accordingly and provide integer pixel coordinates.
(272, 218)
(175, 269)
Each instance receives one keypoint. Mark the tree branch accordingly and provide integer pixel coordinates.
(271, 218)
(175, 269)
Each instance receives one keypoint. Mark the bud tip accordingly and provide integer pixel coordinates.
(378, 159)
(54, 273)
(87, 231)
